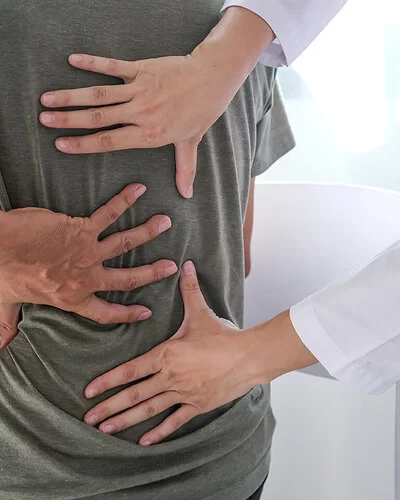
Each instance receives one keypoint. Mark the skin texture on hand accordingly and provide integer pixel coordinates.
(201, 368)
(53, 259)
(170, 100)
(207, 363)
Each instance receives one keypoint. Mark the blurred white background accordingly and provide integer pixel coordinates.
(343, 100)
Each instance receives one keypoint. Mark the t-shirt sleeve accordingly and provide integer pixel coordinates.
(274, 135)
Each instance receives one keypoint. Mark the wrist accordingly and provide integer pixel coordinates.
(276, 349)
(237, 41)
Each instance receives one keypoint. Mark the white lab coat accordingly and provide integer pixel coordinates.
(353, 325)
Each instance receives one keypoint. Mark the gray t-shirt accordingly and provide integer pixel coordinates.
(46, 451)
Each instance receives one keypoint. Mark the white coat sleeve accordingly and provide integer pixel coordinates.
(296, 23)
(353, 325)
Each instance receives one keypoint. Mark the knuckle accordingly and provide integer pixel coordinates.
(127, 244)
(85, 262)
(64, 303)
(64, 98)
(111, 214)
(134, 397)
(75, 144)
(127, 201)
(153, 134)
(78, 283)
(131, 283)
(191, 285)
(149, 409)
(7, 328)
(112, 65)
(100, 95)
(97, 117)
(129, 373)
(83, 223)
(105, 141)
(63, 119)
(168, 357)
(152, 229)
(158, 273)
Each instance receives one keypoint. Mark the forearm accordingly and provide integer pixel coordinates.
(274, 348)
(237, 42)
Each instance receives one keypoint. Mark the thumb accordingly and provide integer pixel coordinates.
(9, 317)
(193, 300)
(186, 164)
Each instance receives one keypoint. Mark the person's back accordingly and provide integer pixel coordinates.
(47, 451)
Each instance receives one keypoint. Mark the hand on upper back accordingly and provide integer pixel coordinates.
(162, 102)
(53, 259)
(170, 100)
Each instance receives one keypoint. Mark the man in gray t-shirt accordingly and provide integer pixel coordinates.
(47, 451)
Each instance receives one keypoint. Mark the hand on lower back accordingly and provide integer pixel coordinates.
(53, 259)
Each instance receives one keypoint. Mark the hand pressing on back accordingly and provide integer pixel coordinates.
(53, 259)
(169, 100)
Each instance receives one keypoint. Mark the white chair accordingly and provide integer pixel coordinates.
(306, 235)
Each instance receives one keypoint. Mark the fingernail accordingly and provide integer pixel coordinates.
(144, 316)
(170, 270)
(62, 144)
(91, 393)
(76, 58)
(91, 420)
(108, 428)
(164, 225)
(140, 190)
(49, 98)
(146, 443)
(189, 192)
(47, 118)
(188, 268)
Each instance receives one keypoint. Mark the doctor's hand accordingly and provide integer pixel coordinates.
(170, 100)
(53, 259)
(206, 364)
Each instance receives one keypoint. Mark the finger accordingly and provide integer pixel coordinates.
(124, 241)
(104, 65)
(129, 279)
(142, 366)
(193, 299)
(129, 137)
(127, 398)
(186, 163)
(91, 96)
(94, 118)
(140, 413)
(9, 316)
(106, 313)
(106, 215)
(171, 424)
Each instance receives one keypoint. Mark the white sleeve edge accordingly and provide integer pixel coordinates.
(338, 365)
